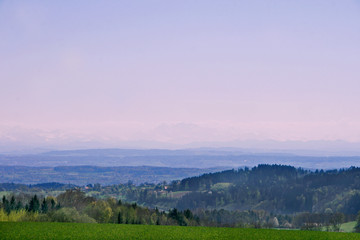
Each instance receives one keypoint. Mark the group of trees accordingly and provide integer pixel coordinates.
(34, 205)
(316, 221)
(74, 206)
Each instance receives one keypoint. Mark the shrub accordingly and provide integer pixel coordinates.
(70, 215)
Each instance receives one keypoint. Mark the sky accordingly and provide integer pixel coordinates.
(179, 71)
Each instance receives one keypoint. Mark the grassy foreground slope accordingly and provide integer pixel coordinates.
(36, 230)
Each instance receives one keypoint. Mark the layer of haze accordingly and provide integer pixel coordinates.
(179, 71)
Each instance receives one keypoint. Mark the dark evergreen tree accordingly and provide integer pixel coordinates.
(19, 205)
(120, 218)
(44, 206)
(12, 203)
(34, 204)
(6, 205)
(52, 202)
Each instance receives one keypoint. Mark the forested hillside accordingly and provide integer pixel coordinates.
(274, 188)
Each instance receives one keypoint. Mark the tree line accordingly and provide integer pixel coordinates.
(74, 206)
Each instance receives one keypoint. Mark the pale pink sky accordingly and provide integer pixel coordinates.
(180, 71)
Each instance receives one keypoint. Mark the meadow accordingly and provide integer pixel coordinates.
(348, 227)
(46, 230)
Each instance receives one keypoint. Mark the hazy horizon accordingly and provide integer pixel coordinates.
(178, 73)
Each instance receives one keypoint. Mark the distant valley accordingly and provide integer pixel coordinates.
(83, 175)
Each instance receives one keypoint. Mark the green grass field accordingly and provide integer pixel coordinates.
(348, 227)
(38, 231)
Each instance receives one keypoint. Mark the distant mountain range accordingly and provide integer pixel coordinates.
(185, 158)
(309, 148)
